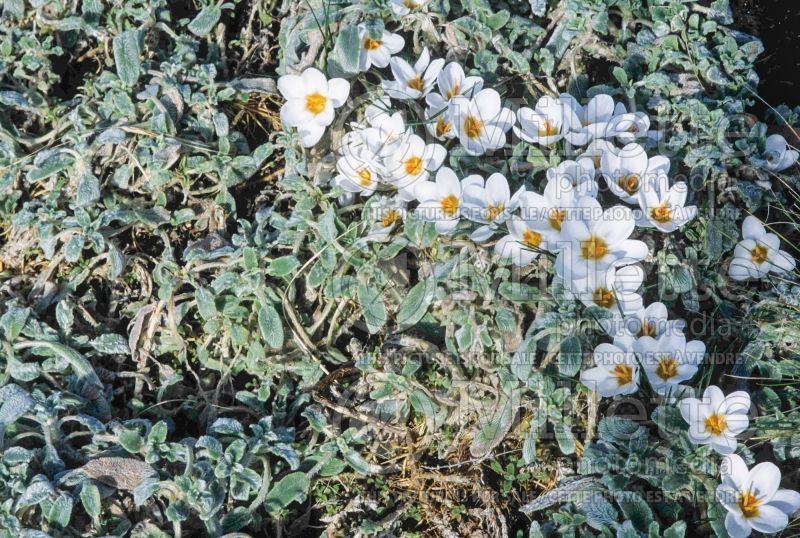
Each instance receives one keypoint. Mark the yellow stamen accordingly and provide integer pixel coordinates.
(547, 129)
(390, 217)
(452, 92)
(531, 238)
(630, 184)
(716, 424)
(365, 177)
(623, 373)
(410, 5)
(449, 205)
(556, 218)
(749, 504)
(667, 368)
(442, 126)
(315, 103)
(372, 44)
(413, 166)
(416, 83)
(603, 297)
(759, 253)
(492, 211)
(648, 328)
(661, 214)
(593, 248)
(473, 127)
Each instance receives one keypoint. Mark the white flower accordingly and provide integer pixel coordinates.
(551, 209)
(758, 253)
(626, 126)
(310, 100)
(387, 132)
(613, 289)
(595, 150)
(440, 201)
(480, 122)
(452, 81)
(616, 372)
(778, 155)
(376, 50)
(439, 123)
(627, 171)
(490, 204)
(546, 123)
(716, 419)
(597, 239)
(669, 360)
(413, 162)
(753, 499)
(651, 321)
(404, 7)
(592, 119)
(413, 82)
(579, 175)
(662, 206)
(384, 215)
(358, 172)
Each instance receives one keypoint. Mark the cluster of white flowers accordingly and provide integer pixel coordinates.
(594, 254)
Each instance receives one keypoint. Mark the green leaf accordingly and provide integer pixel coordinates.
(269, 322)
(292, 487)
(90, 498)
(347, 50)
(621, 76)
(494, 431)
(635, 509)
(205, 303)
(598, 511)
(13, 321)
(372, 306)
(518, 292)
(204, 22)
(569, 357)
(416, 303)
(283, 266)
(677, 530)
(126, 57)
(88, 190)
(60, 512)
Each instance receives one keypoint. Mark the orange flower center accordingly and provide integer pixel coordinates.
(413, 166)
(547, 129)
(531, 238)
(315, 103)
(623, 373)
(473, 127)
(416, 83)
(365, 177)
(556, 218)
(759, 253)
(410, 5)
(449, 205)
(749, 504)
(661, 214)
(667, 368)
(716, 424)
(593, 248)
(630, 184)
(603, 297)
(372, 44)
(648, 329)
(442, 126)
(390, 217)
(452, 91)
(492, 211)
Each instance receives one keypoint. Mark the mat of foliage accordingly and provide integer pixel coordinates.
(190, 340)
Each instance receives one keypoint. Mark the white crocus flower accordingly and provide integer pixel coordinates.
(627, 126)
(546, 123)
(663, 207)
(358, 172)
(753, 498)
(758, 253)
(669, 360)
(404, 7)
(480, 122)
(490, 204)
(440, 201)
(627, 171)
(651, 321)
(387, 133)
(412, 163)
(595, 150)
(716, 419)
(384, 215)
(613, 289)
(778, 155)
(597, 239)
(310, 100)
(579, 175)
(413, 82)
(616, 371)
(592, 119)
(377, 50)
(551, 209)
(450, 83)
